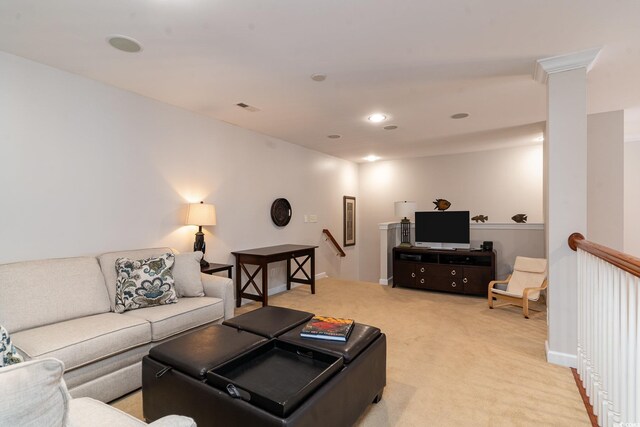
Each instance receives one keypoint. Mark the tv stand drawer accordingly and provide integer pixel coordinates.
(453, 285)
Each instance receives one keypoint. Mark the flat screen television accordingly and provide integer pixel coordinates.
(443, 230)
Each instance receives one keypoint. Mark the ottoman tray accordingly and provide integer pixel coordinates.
(276, 376)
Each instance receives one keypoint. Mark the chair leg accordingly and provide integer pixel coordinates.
(490, 295)
(525, 307)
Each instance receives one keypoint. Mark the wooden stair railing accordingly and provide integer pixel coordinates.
(329, 237)
(625, 262)
(608, 352)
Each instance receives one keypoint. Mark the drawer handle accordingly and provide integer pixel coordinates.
(422, 281)
(413, 274)
(453, 284)
(422, 270)
(464, 280)
(453, 272)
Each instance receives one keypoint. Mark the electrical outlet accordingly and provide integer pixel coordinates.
(313, 218)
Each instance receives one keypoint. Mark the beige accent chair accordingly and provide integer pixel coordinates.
(529, 277)
(34, 394)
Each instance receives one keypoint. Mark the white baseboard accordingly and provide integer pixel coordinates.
(283, 287)
(562, 359)
(388, 281)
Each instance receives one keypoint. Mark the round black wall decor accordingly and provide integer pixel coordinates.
(281, 212)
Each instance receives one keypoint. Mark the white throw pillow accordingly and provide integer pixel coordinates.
(186, 273)
(34, 394)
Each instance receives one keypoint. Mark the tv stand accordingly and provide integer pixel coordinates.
(462, 271)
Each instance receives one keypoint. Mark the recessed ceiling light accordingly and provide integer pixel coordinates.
(124, 43)
(390, 127)
(372, 158)
(318, 77)
(460, 116)
(334, 136)
(539, 139)
(377, 118)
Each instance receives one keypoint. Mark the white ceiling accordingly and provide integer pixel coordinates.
(418, 61)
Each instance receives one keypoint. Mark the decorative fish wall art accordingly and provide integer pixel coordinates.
(442, 204)
(520, 218)
(480, 218)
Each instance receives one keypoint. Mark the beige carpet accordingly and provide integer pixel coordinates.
(450, 360)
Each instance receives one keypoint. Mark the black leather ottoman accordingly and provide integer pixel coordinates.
(269, 321)
(173, 379)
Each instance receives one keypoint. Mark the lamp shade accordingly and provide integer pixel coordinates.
(201, 214)
(405, 209)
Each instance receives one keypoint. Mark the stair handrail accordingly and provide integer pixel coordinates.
(330, 237)
(624, 261)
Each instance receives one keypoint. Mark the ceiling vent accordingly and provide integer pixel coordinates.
(247, 107)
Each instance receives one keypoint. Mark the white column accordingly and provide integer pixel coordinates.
(565, 193)
(389, 238)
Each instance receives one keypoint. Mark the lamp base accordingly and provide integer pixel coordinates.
(203, 263)
(405, 233)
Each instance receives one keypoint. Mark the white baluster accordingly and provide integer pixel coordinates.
(608, 345)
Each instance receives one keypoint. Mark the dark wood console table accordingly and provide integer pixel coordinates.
(215, 268)
(261, 257)
(459, 271)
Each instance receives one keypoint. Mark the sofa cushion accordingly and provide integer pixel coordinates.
(84, 340)
(187, 313)
(33, 394)
(36, 293)
(86, 411)
(108, 266)
(186, 273)
(145, 283)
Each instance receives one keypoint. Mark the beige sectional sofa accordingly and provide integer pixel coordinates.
(64, 308)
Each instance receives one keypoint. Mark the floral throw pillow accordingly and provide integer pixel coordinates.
(144, 283)
(8, 353)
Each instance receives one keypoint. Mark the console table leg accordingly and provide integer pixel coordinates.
(289, 274)
(265, 285)
(238, 283)
(313, 271)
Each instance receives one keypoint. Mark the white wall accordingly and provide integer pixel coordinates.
(605, 176)
(632, 198)
(88, 168)
(497, 183)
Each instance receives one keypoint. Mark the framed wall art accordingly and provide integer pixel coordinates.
(349, 219)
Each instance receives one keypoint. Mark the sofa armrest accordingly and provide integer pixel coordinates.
(174, 421)
(220, 287)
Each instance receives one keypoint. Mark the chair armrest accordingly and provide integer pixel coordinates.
(493, 282)
(527, 291)
(220, 287)
(174, 421)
